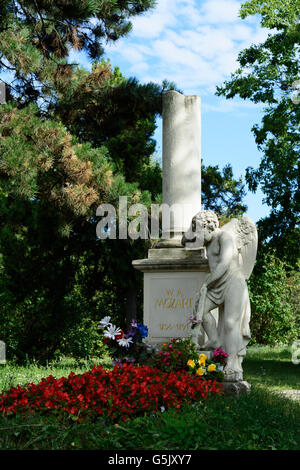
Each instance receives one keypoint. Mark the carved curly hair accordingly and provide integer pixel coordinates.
(204, 216)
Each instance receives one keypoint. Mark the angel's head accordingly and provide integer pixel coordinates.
(204, 223)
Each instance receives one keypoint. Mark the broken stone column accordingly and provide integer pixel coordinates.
(181, 162)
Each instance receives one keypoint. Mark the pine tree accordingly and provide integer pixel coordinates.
(52, 177)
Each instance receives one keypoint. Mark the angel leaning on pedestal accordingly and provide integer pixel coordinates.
(231, 253)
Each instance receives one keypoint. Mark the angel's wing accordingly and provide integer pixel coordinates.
(246, 239)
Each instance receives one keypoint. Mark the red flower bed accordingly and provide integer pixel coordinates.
(120, 393)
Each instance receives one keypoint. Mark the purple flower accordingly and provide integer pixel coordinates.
(132, 333)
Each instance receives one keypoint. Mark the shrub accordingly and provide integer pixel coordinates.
(274, 311)
(82, 340)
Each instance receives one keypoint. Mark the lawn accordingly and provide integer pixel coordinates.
(264, 419)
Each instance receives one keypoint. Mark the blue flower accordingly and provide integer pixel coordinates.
(143, 329)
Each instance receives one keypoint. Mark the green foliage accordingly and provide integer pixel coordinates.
(221, 193)
(37, 35)
(82, 339)
(275, 316)
(40, 162)
(267, 74)
(276, 14)
(52, 182)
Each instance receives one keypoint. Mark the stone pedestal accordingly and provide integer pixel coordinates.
(172, 278)
(232, 389)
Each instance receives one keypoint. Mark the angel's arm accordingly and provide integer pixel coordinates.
(225, 256)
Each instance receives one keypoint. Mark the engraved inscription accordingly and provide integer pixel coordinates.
(173, 299)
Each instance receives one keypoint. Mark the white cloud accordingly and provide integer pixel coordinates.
(154, 23)
(194, 43)
(226, 63)
(229, 106)
(220, 11)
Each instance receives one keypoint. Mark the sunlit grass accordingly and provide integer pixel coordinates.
(12, 374)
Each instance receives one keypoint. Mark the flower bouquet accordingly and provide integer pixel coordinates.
(127, 347)
(208, 369)
(220, 356)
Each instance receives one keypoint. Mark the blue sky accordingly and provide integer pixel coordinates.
(195, 43)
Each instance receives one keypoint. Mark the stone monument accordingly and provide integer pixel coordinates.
(173, 273)
(197, 270)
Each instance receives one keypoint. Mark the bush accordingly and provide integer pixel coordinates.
(274, 308)
(82, 340)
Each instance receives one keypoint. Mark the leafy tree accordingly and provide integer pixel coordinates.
(221, 192)
(267, 74)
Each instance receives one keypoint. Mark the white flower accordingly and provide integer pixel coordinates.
(112, 331)
(104, 322)
(192, 321)
(125, 341)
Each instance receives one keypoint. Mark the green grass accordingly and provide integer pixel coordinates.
(12, 374)
(261, 420)
(272, 368)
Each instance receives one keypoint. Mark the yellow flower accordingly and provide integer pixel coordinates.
(202, 359)
(200, 371)
(191, 363)
(211, 368)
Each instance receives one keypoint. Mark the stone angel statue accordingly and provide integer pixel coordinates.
(231, 253)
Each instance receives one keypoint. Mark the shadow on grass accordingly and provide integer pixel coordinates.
(272, 373)
(260, 420)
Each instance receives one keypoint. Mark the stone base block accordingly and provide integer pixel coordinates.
(236, 388)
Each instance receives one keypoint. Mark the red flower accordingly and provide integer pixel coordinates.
(119, 336)
(115, 394)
